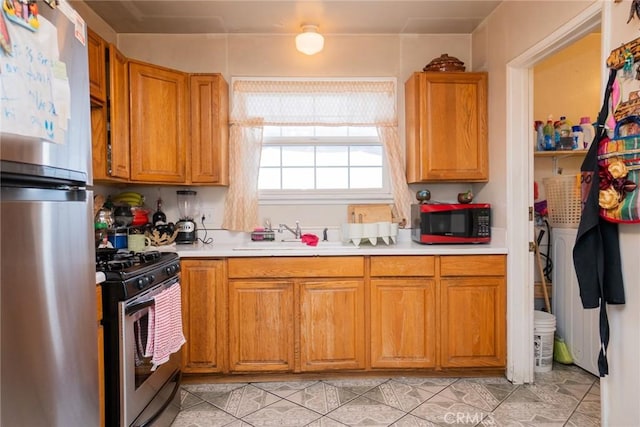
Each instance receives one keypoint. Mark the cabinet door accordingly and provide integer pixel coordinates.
(332, 324)
(446, 127)
(97, 67)
(473, 322)
(159, 125)
(403, 323)
(203, 314)
(209, 129)
(261, 330)
(99, 143)
(118, 113)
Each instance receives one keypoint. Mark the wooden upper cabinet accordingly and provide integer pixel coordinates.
(110, 115)
(446, 127)
(119, 113)
(209, 129)
(96, 47)
(159, 123)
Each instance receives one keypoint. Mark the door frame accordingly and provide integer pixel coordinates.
(520, 262)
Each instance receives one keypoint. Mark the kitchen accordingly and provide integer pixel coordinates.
(486, 48)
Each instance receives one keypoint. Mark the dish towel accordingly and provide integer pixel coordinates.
(310, 239)
(165, 326)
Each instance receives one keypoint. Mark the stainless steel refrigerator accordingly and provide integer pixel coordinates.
(49, 354)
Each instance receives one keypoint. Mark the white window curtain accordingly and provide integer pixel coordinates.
(258, 103)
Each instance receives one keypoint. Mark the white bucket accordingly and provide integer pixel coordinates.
(544, 328)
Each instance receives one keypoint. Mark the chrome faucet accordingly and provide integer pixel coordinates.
(297, 232)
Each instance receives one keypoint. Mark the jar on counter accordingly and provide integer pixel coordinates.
(118, 237)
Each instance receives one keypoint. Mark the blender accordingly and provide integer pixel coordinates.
(186, 225)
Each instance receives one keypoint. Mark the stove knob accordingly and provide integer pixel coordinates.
(141, 282)
(152, 278)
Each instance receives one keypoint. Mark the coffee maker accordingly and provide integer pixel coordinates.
(186, 226)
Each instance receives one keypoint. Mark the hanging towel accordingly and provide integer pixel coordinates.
(596, 252)
(165, 326)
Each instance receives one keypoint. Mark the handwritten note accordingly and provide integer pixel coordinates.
(35, 96)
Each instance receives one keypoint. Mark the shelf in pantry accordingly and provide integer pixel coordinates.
(557, 155)
(560, 153)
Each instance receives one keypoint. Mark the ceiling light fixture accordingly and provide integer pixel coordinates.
(309, 41)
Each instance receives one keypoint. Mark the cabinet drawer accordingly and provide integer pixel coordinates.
(296, 267)
(402, 266)
(472, 265)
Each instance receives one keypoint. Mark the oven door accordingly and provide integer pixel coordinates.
(143, 391)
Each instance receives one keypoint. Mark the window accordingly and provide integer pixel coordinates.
(322, 162)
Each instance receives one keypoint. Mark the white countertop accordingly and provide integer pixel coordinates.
(225, 247)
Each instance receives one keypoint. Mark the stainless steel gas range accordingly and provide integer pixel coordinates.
(136, 393)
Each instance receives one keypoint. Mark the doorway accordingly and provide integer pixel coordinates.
(520, 157)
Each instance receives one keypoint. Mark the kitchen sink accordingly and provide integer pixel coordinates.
(288, 245)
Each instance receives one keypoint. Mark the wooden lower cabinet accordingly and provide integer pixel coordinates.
(473, 311)
(204, 315)
(403, 312)
(261, 334)
(332, 324)
(321, 314)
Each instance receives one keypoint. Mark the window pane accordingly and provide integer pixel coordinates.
(332, 178)
(270, 156)
(269, 179)
(332, 155)
(366, 155)
(331, 131)
(297, 156)
(362, 131)
(297, 131)
(297, 179)
(366, 177)
(270, 131)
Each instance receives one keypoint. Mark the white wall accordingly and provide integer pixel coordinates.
(621, 389)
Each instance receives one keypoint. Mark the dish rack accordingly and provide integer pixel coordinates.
(372, 232)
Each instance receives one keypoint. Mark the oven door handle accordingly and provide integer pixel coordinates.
(133, 309)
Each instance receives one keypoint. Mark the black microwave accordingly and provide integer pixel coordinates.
(433, 223)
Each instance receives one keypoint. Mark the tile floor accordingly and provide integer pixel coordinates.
(566, 396)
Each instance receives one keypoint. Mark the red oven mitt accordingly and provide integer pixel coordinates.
(310, 239)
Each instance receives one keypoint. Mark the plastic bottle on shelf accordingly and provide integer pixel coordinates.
(563, 134)
(565, 126)
(578, 137)
(549, 136)
(539, 128)
(588, 130)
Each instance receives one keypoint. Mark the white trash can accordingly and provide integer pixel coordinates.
(544, 329)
